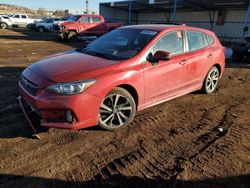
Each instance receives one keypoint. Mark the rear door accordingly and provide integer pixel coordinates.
(97, 25)
(166, 79)
(198, 55)
(24, 19)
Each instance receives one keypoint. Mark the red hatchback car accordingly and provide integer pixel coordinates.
(124, 71)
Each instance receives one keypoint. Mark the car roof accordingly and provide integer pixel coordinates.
(162, 27)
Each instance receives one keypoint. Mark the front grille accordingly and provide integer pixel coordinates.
(29, 86)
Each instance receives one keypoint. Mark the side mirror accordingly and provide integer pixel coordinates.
(158, 56)
(162, 56)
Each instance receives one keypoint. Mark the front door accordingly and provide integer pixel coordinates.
(84, 25)
(166, 79)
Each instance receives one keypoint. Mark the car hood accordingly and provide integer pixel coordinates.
(72, 66)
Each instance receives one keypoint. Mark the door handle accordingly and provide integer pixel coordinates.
(210, 56)
(183, 62)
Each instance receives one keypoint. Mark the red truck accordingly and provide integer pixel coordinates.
(85, 25)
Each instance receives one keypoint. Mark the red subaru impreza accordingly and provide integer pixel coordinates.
(124, 71)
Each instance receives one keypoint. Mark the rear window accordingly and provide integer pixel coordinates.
(196, 40)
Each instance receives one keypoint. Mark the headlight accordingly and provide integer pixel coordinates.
(70, 88)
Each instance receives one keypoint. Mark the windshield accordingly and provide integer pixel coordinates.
(73, 18)
(120, 43)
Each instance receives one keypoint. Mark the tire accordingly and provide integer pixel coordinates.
(237, 57)
(211, 82)
(41, 29)
(117, 109)
(72, 36)
(3, 25)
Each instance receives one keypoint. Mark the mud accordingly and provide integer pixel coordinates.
(193, 141)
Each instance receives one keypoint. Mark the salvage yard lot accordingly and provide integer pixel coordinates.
(193, 141)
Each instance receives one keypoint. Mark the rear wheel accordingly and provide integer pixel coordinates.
(72, 36)
(117, 109)
(211, 82)
(4, 25)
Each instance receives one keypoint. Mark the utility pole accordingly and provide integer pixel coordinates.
(87, 6)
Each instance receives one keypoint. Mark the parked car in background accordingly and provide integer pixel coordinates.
(124, 71)
(5, 22)
(85, 25)
(241, 51)
(22, 19)
(48, 24)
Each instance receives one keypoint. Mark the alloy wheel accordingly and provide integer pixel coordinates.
(212, 80)
(4, 25)
(116, 110)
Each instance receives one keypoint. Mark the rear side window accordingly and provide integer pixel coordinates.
(172, 42)
(24, 16)
(210, 39)
(196, 40)
(96, 19)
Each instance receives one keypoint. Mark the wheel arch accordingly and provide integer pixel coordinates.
(132, 92)
(218, 66)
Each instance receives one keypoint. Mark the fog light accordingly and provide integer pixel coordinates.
(69, 116)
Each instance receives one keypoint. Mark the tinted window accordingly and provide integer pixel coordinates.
(196, 40)
(17, 16)
(57, 19)
(85, 20)
(120, 43)
(24, 16)
(50, 20)
(96, 19)
(172, 42)
(210, 40)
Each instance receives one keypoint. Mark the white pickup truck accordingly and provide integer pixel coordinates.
(22, 19)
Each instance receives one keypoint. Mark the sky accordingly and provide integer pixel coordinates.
(74, 6)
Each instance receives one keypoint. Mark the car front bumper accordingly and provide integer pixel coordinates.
(56, 110)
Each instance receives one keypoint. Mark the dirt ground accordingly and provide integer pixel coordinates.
(193, 141)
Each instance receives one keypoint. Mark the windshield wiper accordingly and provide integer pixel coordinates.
(105, 56)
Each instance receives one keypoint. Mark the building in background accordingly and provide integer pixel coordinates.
(226, 18)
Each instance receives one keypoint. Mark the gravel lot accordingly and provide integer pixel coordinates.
(193, 141)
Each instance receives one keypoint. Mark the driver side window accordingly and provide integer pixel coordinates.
(85, 19)
(171, 42)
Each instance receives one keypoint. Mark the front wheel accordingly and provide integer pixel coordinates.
(211, 82)
(4, 25)
(117, 109)
(41, 29)
(72, 36)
